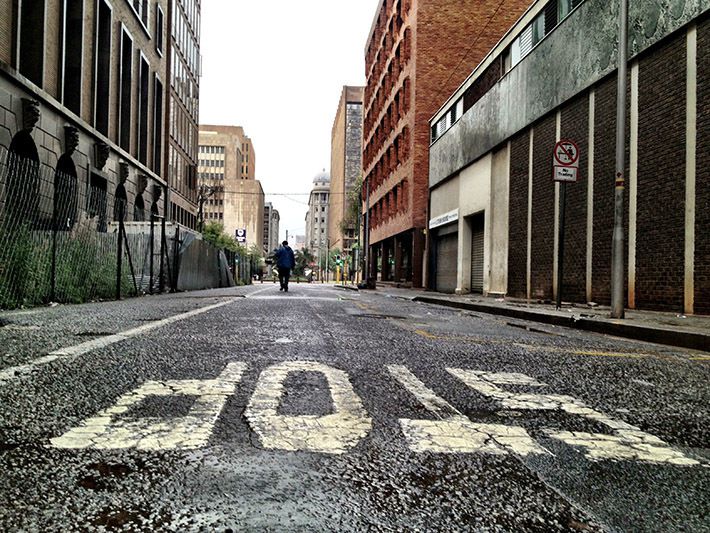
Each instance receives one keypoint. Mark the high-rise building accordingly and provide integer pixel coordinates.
(317, 216)
(183, 104)
(345, 167)
(230, 194)
(271, 228)
(418, 52)
(82, 108)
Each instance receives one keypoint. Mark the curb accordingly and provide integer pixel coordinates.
(667, 336)
(348, 287)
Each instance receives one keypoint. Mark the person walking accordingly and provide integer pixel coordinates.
(285, 261)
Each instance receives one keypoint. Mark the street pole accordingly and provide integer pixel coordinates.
(617, 252)
(561, 243)
(366, 270)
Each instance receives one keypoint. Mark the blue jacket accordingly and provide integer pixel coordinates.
(285, 257)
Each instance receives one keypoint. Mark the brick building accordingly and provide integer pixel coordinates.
(345, 167)
(183, 104)
(226, 170)
(417, 53)
(82, 99)
(494, 207)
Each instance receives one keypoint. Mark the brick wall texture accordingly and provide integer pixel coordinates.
(702, 199)
(543, 209)
(661, 177)
(575, 126)
(518, 213)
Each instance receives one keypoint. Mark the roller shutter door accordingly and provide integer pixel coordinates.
(446, 259)
(477, 255)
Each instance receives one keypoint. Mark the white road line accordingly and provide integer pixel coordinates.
(427, 397)
(88, 346)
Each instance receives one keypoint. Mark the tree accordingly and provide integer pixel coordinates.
(353, 204)
(213, 233)
(304, 260)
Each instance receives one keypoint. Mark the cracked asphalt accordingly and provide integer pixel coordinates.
(322, 409)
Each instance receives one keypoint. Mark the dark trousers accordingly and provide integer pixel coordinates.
(284, 274)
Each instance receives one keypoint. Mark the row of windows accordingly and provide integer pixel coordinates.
(186, 34)
(134, 70)
(212, 163)
(395, 24)
(183, 216)
(211, 175)
(215, 216)
(184, 82)
(205, 149)
(551, 15)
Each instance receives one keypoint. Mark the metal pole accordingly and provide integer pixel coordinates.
(152, 251)
(119, 259)
(561, 242)
(53, 280)
(163, 251)
(617, 251)
(367, 232)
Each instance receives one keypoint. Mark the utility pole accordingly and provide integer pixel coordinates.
(617, 251)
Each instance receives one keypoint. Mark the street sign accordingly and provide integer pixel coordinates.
(241, 235)
(565, 161)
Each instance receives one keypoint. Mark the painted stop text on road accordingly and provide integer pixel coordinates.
(447, 431)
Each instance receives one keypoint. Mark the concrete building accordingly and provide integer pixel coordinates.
(345, 167)
(495, 210)
(417, 53)
(183, 104)
(82, 96)
(226, 169)
(317, 215)
(271, 228)
(299, 242)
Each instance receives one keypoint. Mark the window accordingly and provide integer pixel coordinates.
(124, 91)
(97, 201)
(143, 85)
(72, 45)
(141, 9)
(157, 125)
(159, 18)
(564, 7)
(30, 57)
(102, 68)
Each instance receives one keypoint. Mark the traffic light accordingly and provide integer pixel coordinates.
(338, 260)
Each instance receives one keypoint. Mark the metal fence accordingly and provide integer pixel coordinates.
(67, 240)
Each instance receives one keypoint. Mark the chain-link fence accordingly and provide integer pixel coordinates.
(64, 240)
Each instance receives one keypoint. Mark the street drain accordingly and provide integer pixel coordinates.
(92, 334)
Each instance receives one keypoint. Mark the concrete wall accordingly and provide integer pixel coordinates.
(579, 53)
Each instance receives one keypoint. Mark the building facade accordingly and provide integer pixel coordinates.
(418, 52)
(345, 167)
(495, 210)
(317, 215)
(82, 109)
(183, 104)
(230, 194)
(271, 228)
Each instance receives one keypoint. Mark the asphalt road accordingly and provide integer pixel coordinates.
(330, 410)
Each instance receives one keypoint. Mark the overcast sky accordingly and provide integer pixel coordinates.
(277, 69)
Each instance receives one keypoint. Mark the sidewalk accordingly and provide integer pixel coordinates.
(660, 327)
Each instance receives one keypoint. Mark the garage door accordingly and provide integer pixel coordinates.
(446, 259)
(477, 253)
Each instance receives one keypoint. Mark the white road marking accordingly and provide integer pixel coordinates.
(106, 431)
(334, 433)
(95, 344)
(626, 442)
(427, 397)
(456, 434)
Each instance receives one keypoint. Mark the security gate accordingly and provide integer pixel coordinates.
(477, 225)
(446, 258)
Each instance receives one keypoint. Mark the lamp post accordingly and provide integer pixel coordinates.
(617, 250)
(204, 192)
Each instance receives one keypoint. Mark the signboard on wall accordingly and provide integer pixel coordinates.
(241, 235)
(446, 218)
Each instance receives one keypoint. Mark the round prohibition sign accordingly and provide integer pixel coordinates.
(566, 153)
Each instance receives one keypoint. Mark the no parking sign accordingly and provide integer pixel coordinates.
(565, 161)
